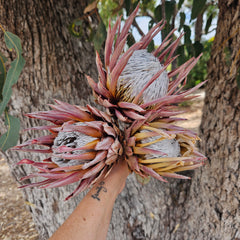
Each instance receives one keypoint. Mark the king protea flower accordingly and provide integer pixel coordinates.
(84, 145)
(139, 126)
(134, 81)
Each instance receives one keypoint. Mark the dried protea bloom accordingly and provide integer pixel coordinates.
(132, 82)
(84, 144)
(161, 149)
(140, 98)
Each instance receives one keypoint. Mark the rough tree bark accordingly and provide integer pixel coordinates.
(207, 207)
(55, 66)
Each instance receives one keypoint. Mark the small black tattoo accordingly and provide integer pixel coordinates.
(99, 188)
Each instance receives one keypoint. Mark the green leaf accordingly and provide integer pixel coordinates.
(2, 74)
(100, 36)
(12, 42)
(127, 6)
(10, 138)
(4, 58)
(187, 36)
(198, 48)
(158, 13)
(150, 47)
(208, 23)
(197, 8)
(182, 20)
(169, 9)
(180, 52)
(180, 3)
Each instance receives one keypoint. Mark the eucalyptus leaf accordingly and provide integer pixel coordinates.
(180, 3)
(169, 10)
(12, 42)
(182, 20)
(10, 138)
(208, 23)
(198, 48)
(3, 57)
(187, 36)
(158, 13)
(100, 36)
(181, 53)
(198, 6)
(2, 75)
(127, 6)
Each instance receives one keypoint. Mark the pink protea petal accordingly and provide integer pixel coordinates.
(173, 175)
(104, 144)
(56, 117)
(37, 184)
(33, 150)
(83, 185)
(93, 171)
(132, 106)
(90, 131)
(109, 130)
(109, 40)
(120, 116)
(117, 53)
(77, 112)
(80, 156)
(101, 155)
(161, 47)
(152, 173)
(102, 73)
(74, 177)
(111, 160)
(50, 127)
(144, 151)
(170, 49)
(152, 33)
(133, 115)
(127, 26)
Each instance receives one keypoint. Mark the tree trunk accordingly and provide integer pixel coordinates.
(207, 207)
(198, 27)
(55, 66)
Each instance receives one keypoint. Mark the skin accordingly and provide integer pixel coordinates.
(91, 219)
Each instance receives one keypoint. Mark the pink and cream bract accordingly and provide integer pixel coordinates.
(140, 98)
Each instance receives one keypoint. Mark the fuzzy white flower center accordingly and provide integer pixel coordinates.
(141, 67)
(170, 147)
(73, 140)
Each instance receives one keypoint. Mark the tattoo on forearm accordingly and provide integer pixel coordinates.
(99, 189)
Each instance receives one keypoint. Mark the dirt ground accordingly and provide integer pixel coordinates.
(16, 222)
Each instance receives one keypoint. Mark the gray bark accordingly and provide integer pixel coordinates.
(55, 66)
(207, 207)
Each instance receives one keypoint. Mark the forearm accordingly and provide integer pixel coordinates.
(90, 220)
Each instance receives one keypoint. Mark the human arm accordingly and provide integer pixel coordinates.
(91, 218)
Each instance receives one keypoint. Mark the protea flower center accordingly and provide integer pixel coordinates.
(71, 140)
(169, 147)
(141, 67)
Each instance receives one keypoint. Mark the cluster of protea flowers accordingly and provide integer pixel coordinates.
(140, 98)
